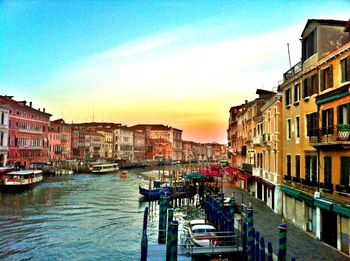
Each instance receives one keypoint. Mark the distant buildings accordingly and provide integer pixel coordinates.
(294, 146)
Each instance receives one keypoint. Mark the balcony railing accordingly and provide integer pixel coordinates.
(331, 135)
(342, 189)
(267, 137)
(327, 187)
(30, 131)
(292, 71)
(257, 140)
(3, 148)
(30, 147)
(247, 167)
(271, 176)
(307, 182)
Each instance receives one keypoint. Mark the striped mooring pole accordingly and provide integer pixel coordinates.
(269, 251)
(161, 227)
(144, 240)
(232, 218)
(282, 251)
(262, 249)
(173, 247)
(220, 210)
(251, 233)
(168, 235)
(244, 241)
(257, 251)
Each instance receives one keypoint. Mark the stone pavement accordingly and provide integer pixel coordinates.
(299, 244)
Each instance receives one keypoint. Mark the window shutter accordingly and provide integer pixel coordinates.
(307, 167)
(327, 169)
(331, 76)
(331, 121)
(348, 111)
(324, 122)
(314, 168)
(340, 114)
(322, 77)
(347, 68)
(304, 88)
(309, 86)
(344, 170)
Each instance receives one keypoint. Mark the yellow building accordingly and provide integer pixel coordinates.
(270, 161)
(316, 163)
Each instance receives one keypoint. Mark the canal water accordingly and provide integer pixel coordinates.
(76, 217)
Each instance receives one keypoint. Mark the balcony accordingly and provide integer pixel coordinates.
(327, 187)
(30, 131)
(267, 137)
(271, 176)
(30, 147)
(342, 189)
(4, 148)
(307, 182)
(257, 140)
(258, 172)
(333, 136)
(292, 71)
(296, 179)
(247, 167)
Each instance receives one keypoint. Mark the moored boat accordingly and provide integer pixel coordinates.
(104, 168)
(3, 171)
(21, 179)
(201, 234)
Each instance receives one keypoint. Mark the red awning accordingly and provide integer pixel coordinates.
(231, 171)
(245, 176)
(210, 173)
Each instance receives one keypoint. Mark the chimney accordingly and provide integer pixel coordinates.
(246, 101)
(30, 104)
(38, 109)
(43, 109)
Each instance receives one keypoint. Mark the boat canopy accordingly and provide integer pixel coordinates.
(24, 172)
(194, 175)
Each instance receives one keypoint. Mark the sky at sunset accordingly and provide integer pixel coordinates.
(178, 63)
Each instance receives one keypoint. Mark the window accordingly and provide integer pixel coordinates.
(288, 97)
(345, 69)
(311, 124)
(311, 168)
(289, 165)
(327, 121)
(297, 166)
(289, 129)
(343, 114)
(309, 86)
(309, 45)
(297, 127)
(326, 78)
(328, 170)
(1, 138)
(296, 93)
(344, 170)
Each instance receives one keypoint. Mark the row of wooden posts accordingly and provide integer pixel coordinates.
(167, 230)
(253, 246)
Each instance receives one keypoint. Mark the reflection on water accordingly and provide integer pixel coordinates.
(78, 217)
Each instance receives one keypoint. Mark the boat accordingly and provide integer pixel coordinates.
(159, 187)
(104, 168)
(201, 234)
(3, 171)
(22, 178)
(154, 192)
(63, 172)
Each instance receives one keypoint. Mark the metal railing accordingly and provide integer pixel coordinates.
(330, 135)
(292, 71)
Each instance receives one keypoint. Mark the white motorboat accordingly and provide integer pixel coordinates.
(104, 168)
(201, 234)
(22, 178)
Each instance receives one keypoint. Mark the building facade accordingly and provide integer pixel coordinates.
(316, 162)
(4, 133)
(28, 133)
(60, 137)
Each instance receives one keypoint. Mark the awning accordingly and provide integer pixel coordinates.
(290, 191)
(306, 198)
(245, 176)
(342, 210)
(194, 175)
(231, 171)
(210, 173)
(321, 203)
(331, 98)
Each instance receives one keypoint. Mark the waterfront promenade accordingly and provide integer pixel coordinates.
(299, 244)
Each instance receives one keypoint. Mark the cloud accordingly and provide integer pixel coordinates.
(172, 74)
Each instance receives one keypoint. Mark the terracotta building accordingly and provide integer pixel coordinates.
(28, 133)
(60, 137)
